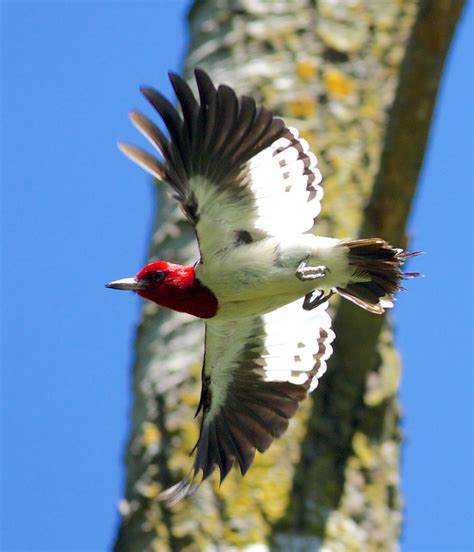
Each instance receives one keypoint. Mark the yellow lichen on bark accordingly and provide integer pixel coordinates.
(338, 83)
(306, 69)
(151, 434)
(302, 108)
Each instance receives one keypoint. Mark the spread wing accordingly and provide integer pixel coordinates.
(236, 169)
(256, 371)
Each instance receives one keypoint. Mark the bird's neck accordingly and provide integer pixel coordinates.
(183, 292)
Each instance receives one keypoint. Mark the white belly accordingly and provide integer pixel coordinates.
(263, 273)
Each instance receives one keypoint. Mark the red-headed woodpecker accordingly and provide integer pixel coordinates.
(251, 189)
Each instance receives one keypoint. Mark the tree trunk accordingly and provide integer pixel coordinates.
(359, 80)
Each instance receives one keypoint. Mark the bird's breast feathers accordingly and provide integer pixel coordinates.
(261, 276)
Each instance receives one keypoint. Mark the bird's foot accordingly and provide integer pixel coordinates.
(319, 298)
(307, 273)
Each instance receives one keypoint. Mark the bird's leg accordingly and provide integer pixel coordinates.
(311, 303)
(306, 273)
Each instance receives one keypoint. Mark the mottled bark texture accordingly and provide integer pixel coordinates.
(359, 79)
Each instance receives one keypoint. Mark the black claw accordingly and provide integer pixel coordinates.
(309, 303)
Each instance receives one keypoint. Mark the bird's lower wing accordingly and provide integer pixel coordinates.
(256, 371)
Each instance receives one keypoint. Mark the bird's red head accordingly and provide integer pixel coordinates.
(173, 286)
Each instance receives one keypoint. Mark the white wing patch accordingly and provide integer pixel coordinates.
(285, 182)
(296, 340)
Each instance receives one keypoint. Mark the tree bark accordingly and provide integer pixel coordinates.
(359, 80)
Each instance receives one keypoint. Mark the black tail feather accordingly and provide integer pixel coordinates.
(377, 273)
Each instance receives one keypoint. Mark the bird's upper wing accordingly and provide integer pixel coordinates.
(238, 172)
(256, 370)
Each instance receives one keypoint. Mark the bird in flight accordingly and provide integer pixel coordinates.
(251, 188)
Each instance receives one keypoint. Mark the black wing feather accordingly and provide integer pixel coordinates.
(246, 117)
(188, 103)
(213, 138)
(209, 107)
(179, 144)
(228, 117)
(245, 450)
(261, 123)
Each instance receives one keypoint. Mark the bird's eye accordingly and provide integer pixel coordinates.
(159, 275)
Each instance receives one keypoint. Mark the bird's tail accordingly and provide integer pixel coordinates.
(377, 273)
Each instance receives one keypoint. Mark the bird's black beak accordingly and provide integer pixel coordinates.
(130, 284)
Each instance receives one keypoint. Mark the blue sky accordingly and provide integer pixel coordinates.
(76, 214)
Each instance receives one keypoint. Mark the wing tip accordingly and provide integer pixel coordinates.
(199, 72)
(176, 80)
(176, 493)
(145, 89)
(142, 158)
(136, 117)
(125, 148)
